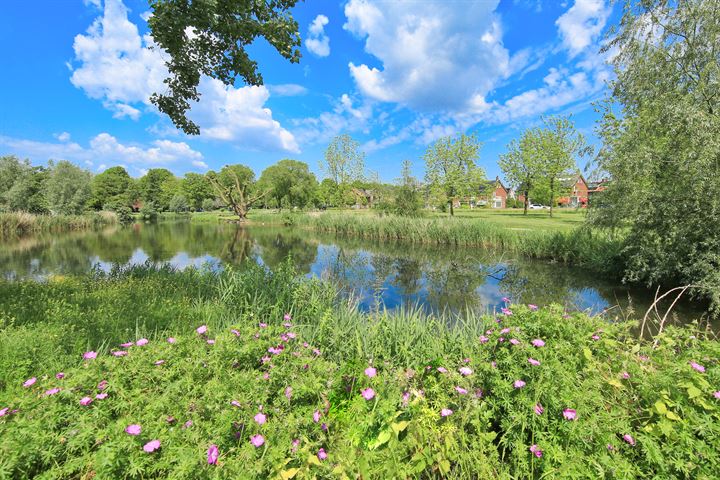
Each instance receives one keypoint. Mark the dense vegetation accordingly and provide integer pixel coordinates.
(245, 390)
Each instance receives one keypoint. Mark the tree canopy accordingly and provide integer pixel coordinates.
(289, 182)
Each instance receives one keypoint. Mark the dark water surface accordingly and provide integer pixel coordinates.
(374, 273)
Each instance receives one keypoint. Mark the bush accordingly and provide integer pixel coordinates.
(208, 204)
(148, 212)
(178, 204)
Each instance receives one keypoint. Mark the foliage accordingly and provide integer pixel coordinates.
(111, 188)
(451, 169)
(343, 163)
(192, 394)
(209, 38)
(154, 187)
(407, 201)
(22, 223)
(521, 165)
(178, 204)
(27, 193)
(11, 169)
(197, 190)
(661, 147)
(208, 205)
(124, 215)
(236, 187)
(68, 188)
(290, 183)
(148, 212)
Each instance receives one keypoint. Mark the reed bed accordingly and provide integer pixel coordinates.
(14, 224)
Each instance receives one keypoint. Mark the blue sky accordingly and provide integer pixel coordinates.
(396, 75)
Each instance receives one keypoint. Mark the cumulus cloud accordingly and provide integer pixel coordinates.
(347, 115)
(434, 56)
(318, 42)
(287, 90)
(63, 137)
(114, 65)
(106, 149)
(581, 25)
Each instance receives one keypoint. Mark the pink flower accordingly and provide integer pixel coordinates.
(538, 343)
(287, 317)
(288, 392)
(316, 416)
(235, 403)
(697, 367)
(141, 342)
(120, 353)
(446, 412)
(533, 308)
(260, 418)
(263, 325)
(595, 337)
(625, 375)
(717, 394)
(133, 429)
(159, 362)
(506, 311)
(52, 391)
(506, 299)
(127, 344)
(405, 398)
(610, 447)
(102, 385)
(211, 342)
(85, 401)
(484, 339)
(501, 339)
(493, 364)
(212, 455)
(321, 454)
(151, 446)
(518, 384)
(538, 409)
(536, 451)
(368, 393)
(629, 439)
(370, 372)
(505, 330)
(201, 329)
(478, 393)
(442, 369)
(235, 332)
(514, 341)
(460, 390)
(188, 424)
(3, 411)
(266, 376)
(89, 355)
(465, 371)
(30, 382)
(569, 414)
(257, 440)
(295, 444)
(101, 396)
(171, 340)
(60, 375)
(532, 361)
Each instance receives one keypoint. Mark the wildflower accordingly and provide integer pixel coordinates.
(717, 394)
(141, 342)
(506, 311)
(287, 325)
(324, 427)
(493, 364)
(610, 447)
(171, 340)
(478, 393)
(532, 361)
(569, 414)
(201, 330)
(506, 299)
(625, 375)
(266, 376)
(212, 455)
(501, 339)
(465, 371)
(484, 339)
(3, 411)
(538, 409)
(368, 393)
(260, 418)
(287, 317)
(102, 385)
(188, 424)
(52, 391)
(292, 335)
(120, 353)
(295, 444)
(101, 396)
(257, 440)
(537, 343)
(321, 454)
(405, 398)
(505, 330)
(89, 355)
(514, 341)
(316, 352)
(170, 419)
(518, 384)
(159, 362)
(151, 446)
(85, 401)
(235, 403)
(536, 451)
(288, 392)
(60, 375)
(262, 325)
(127, 344)
(211, 342)
(461, 390)
(488, 332)
(316, 416)
(446, 412)
(442, 369)
(133, 429)
(30, 382)
(629, 439)
(533, 308)
(371, 372)
(644, 358)
(235, 332)
(697, 367)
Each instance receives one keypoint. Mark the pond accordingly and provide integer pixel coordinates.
(375, 274)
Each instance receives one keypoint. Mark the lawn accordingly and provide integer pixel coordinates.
(562, 219)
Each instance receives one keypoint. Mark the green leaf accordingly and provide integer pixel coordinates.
(693, 391)
(382, 438)
(588, 354)
(290, 473)
(661, 407)
(615, 383)
(671, 415)
(313, 460)
(399, 427)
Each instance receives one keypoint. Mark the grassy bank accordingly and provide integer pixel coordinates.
(13, 224)
(594, 402)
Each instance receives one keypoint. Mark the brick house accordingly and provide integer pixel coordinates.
(493, 193)
(578, 195)
(596, 186)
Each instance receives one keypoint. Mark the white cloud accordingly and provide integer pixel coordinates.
(347, 115)
(63, 137)
(106, 149)
(581, 25)
(434, 56)
(200, 164)
(318, 42)
(115, 66)
(287, 90)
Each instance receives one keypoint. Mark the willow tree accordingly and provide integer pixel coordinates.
(235, 186)
(451, 168)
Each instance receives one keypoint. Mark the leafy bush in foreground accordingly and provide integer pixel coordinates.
(336, 393)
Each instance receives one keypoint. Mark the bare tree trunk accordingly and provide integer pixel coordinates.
(552, 195)
(526, 202)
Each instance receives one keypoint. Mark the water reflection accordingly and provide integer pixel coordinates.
(375, 273)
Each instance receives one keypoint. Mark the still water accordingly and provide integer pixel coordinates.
(373, 273)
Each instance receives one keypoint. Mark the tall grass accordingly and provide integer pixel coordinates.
(13, 224)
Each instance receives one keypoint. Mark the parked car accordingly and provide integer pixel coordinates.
(535, 206)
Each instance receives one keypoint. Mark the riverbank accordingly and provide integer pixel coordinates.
(15, 224)
(329, 391)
